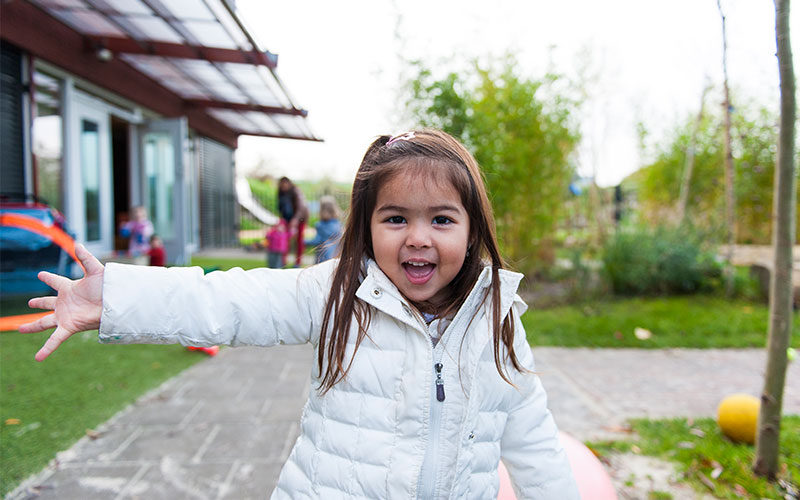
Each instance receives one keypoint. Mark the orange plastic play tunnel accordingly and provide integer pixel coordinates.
(34, 225)
(10, 323)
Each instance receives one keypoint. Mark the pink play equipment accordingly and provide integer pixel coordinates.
(591, 476)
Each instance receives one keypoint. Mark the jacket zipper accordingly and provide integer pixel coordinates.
(426, 485)
(430, 463)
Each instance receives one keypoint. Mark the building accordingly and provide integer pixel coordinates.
(110, 104)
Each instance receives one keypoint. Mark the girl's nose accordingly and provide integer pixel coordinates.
(418, 236)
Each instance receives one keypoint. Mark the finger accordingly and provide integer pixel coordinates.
(43, 303)
(89, 261)
(55, 340)
(54, 281)
(40, 324)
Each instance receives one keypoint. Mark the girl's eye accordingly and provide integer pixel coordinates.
(441, 220)
(396, 219)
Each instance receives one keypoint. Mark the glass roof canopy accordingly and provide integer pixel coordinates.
(198, 49)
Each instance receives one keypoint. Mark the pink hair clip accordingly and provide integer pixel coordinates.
(402, 137)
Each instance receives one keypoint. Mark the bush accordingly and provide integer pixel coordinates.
(661, 261)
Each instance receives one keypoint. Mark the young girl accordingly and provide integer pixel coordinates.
(329, 230)
(423, 376)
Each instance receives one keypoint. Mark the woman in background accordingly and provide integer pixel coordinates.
(293, 209)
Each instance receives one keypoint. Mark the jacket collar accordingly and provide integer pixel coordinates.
(378, 290)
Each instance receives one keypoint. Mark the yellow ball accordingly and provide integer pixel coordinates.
(737, 416)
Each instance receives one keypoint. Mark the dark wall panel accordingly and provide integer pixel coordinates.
(12, 169)
(218, 207)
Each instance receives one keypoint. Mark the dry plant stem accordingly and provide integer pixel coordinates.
(686, 179)
(730, 207)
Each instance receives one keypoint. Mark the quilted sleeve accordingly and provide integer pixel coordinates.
(260, 307)
(530, 449)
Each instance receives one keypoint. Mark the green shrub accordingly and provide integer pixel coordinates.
(644, 261)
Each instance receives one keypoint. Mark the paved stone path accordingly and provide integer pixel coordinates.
(223, 428)
(592, 391)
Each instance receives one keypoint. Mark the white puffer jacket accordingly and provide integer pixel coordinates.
(369, 436)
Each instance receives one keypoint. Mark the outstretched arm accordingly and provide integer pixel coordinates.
(76, 307)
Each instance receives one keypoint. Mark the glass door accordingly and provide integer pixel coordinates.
(91, 177)
(165, 184)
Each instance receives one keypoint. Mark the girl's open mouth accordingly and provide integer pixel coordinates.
(418, 273)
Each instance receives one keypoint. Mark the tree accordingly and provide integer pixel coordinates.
(780, 303)
(521, 133)
(754, 138)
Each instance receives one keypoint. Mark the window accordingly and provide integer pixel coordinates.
(47, 139)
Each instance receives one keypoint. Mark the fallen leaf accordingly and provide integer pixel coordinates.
(619, 428)
(618, 335)
(690, 421)
(93, 434)
(12, 421)
(791, 490)
(705, 480)
(30, 427)
(716, 472)
(642, 333)
(697, 432)
(739, 489)
(636, 449)
(595, 452)
(685, 445)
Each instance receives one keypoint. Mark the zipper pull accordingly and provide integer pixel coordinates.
(439, 382)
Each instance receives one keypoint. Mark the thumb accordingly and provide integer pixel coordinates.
(87, 260)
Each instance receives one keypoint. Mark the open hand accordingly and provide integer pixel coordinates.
(76, 308)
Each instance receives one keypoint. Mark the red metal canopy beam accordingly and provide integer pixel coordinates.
(182, 51)
(279, 136)
(272, 110)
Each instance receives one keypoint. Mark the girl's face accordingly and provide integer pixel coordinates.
(420, 234)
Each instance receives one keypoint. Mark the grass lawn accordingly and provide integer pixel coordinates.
(709, 461)
(686, 321)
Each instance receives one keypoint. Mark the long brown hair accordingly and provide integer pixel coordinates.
(431, 153)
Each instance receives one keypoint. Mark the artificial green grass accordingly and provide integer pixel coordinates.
(687, 321)
(209, 263)
(698, 448)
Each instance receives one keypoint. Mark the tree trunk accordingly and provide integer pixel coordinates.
(686, 179)
(780, 296)
(730, 207)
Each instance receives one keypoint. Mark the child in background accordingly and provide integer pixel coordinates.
(158, 257)
(329, 230)
(277, 245)
(423, 378)
(138, 231)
